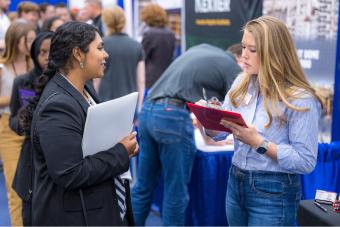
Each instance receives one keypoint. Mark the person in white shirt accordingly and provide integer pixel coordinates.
(4, 22)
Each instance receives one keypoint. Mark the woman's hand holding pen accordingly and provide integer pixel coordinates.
(201, 102)
(210, 133)
(247, 135)
(130, 144)
(213, 102)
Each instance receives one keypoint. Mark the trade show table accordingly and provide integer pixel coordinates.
(311, 215)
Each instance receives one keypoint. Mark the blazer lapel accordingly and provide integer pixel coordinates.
(64, 84)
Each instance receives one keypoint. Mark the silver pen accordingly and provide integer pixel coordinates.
(204, 95)
(320, 206)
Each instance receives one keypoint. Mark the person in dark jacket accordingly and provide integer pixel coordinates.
(158, 42)
(69, 189)
(22, 92)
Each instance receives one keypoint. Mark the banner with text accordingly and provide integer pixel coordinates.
(314, 26)
(218, 22)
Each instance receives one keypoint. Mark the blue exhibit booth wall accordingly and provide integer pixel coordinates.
(14, 3)
(336, 100)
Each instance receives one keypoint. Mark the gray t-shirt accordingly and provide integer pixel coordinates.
(202, 66)
(120, 73)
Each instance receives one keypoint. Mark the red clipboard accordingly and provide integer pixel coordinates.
(210, 118)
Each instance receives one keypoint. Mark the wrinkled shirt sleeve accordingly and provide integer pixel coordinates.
(300, 155)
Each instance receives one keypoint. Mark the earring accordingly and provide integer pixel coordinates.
(81, 65)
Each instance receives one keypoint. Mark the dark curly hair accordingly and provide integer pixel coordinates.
(67, 37)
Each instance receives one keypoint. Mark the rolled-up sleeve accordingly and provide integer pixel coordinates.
(300, 155)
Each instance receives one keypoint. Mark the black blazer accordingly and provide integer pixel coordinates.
(22, 179)
(22, 182)
(67, 188)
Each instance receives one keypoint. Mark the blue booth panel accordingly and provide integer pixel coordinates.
(14, 3)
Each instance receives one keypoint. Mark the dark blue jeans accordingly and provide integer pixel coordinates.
(262, 198)
(166, 145)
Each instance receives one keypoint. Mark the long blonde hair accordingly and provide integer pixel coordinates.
(281, 77)
(13, 35)
(114, 19)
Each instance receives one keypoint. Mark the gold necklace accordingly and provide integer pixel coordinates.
(86, 96)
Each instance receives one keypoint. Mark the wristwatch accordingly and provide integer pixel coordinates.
(263, 147)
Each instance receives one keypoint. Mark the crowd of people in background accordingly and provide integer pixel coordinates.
(131, 66)
(56, 62)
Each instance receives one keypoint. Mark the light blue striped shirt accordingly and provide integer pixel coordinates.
(296, 140)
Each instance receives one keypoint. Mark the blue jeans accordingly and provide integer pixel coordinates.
(166, 145)
(262, 198)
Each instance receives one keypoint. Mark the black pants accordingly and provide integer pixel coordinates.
(27, 213)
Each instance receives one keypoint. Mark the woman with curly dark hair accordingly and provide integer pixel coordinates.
(67, 188)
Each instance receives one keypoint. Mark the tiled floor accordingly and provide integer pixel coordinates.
(153, 219)
(4, 216)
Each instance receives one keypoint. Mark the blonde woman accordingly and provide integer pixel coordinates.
(14, 61)
(280, 142)
(125, 69)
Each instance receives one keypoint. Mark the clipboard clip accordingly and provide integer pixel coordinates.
(214, 103)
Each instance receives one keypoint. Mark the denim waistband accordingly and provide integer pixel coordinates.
(262, 174)
(171, 101)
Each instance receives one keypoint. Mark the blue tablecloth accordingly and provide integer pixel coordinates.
(208, 189)
(326, 175)
(210, 175)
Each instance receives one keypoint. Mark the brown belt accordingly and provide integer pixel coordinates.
(172, 101)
